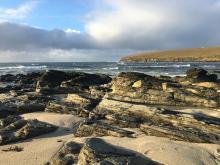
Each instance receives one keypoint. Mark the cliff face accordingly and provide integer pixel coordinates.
(211, 54)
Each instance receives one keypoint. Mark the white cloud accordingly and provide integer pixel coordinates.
(114, 29)
(19, 12)
(156, 24)
(69, 30)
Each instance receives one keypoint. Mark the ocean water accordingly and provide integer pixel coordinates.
(111, 68)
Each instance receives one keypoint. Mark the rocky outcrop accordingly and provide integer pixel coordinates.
(67, 155)
(162, 122)
(75, 104)
(97, 151)
(98, 128)
(137, 101)
(200, 75)
(85, 80)
(57, 82)
(13, 131)
(145, 89)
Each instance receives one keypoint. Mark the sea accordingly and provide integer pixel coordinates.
(111, 68)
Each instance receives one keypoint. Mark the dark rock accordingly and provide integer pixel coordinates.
(28, 108)
(8, 120)
(55, 82)
(51, 79)
(7, 109)
(13, 149)
(86, 79)
(200, 75)
(7, 78)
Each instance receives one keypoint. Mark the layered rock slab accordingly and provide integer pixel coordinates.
(163, 122)
(141, 88)
(98, 128)
(15, 129)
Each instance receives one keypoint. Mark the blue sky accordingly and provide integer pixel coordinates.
(103, 30)
(49, 14)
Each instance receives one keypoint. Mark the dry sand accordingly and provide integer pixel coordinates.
(39, 150)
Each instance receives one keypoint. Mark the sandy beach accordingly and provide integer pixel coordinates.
(39, 150)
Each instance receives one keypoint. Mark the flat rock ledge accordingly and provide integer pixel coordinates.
(154, 121)
(98, 128)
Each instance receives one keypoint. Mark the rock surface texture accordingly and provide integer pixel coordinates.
(15, 129)
(97, 151)
(129, 106)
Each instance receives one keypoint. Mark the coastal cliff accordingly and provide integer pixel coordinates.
(210, 54)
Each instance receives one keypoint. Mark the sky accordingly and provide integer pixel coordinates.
(103, 30)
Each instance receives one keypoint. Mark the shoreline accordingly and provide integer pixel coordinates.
(59, 117)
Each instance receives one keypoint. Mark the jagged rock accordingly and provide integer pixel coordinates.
(63, 108)
(85, 79)
(20, 81)
(99, 92)
(24, 129)
(97, 128)
(165, 122)
(97, 151)
(200, 75)
(8, 120)
(67, 155)
(55, 82)
(52, 78)
(74, 104)
(144, 89)
(81, 101)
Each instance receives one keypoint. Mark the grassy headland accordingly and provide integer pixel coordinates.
(210, 54)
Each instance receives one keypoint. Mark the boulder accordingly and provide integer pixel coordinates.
(200, 75)
(67, 155)
(97, 151)
(51, 79)
(75, 104)
(24, 129)
(81, 101)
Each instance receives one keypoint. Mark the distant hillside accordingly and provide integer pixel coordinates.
(211, 54)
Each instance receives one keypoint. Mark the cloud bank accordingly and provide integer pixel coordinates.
(121, 25)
